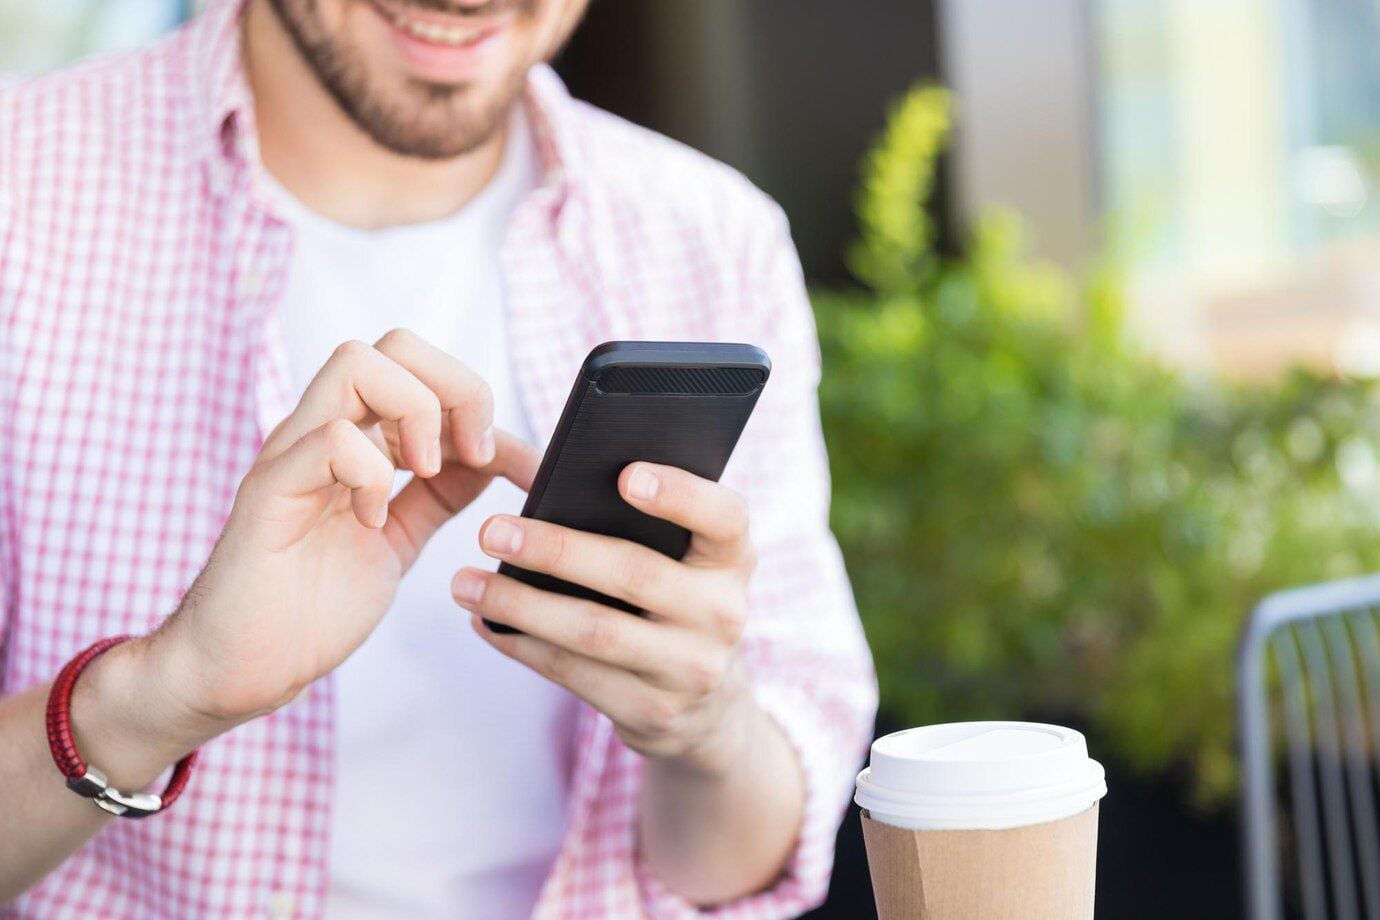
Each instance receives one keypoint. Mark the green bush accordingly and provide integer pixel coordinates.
(1039, 518)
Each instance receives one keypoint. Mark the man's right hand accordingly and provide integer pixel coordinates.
(313, 550)
(307, 564)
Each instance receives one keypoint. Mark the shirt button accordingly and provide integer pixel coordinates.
(281, 904)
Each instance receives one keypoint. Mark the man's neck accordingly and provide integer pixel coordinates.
(323, 158)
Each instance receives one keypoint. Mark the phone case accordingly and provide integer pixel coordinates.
(683, 404)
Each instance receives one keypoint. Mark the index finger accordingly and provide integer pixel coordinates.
(358, 383)
(715, 515)
(466, 399)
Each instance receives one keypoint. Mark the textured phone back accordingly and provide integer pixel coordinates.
(683, 415)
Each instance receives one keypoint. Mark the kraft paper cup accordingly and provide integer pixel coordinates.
(992, 820)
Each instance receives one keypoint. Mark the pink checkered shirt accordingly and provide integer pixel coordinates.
(141, 365)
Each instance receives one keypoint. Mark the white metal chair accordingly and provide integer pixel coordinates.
(1316, 713)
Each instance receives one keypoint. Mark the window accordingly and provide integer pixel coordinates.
(1238, 141)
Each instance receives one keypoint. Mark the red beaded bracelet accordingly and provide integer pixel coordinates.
(86, 780)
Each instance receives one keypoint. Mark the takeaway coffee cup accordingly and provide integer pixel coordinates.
(990, 820)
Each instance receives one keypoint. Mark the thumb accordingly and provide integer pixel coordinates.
(424, 505)
(514, 459)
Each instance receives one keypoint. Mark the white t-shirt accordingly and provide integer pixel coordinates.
(430, 818)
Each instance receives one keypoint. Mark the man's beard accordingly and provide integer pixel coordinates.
(427, 120)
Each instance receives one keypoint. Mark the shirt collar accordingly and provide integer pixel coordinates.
(226, 105)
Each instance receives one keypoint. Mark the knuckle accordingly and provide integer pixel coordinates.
(559, 665)
(635, 575)
(597, 637)
(350, 351)
(482, 394)
(729, 617)
(553, 548)
(496, 598)
(428, 403)
(707, 672)
(339, 434)
(658, 715)
(396, 340)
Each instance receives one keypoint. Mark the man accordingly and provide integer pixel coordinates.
(187, 237)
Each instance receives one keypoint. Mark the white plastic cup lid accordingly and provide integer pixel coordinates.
(979, 776)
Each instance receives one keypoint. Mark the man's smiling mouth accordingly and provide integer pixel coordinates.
(456, 35)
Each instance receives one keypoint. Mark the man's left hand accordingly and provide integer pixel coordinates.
(672, 681)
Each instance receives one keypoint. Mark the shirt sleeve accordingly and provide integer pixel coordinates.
(804, 645)
(7, 434)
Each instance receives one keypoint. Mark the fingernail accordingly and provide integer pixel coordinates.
(643, 484)
(467, 587)
(502, 537)
(382, 517)
(433, 457)
(486, 446)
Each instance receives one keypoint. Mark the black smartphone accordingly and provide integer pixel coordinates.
(683, 404)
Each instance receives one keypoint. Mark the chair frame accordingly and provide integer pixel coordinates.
(1325, 604)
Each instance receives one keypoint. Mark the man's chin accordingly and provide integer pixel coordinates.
(428, 145)
(401, 112)
(427, 120)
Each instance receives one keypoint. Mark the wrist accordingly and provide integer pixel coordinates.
(725, 746)
(127, 721)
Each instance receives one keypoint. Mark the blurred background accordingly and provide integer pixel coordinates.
(1098, 288)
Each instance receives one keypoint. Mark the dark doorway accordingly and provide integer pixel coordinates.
(791, 92)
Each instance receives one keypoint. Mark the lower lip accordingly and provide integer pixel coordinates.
(438, 62)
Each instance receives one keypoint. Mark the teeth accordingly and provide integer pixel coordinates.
(430, 31)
